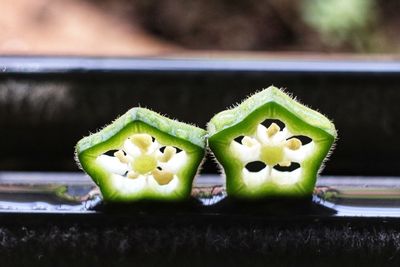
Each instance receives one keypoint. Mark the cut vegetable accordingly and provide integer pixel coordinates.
(270, 146)
(143, 156)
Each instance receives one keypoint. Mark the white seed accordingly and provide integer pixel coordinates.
(285, 163)
(245, 153)
(128, 186)
(286, 179)
(300, 154)
(131, 149)
(255, 179)
(112, 164)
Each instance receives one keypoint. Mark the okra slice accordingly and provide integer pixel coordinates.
(270, 145)
(143, 156)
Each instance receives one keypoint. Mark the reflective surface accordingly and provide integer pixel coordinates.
(360, 196)
(30, 192)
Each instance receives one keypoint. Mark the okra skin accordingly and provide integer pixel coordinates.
(188, 138)
(243, 120)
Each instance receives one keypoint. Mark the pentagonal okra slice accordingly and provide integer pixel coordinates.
(270, 145)
(143, 156)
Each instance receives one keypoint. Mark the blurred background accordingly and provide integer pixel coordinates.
(150, 27)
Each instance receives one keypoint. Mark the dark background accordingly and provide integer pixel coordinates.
(43, 113)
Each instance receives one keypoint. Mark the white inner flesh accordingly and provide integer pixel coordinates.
(140, 165)
(284, 152)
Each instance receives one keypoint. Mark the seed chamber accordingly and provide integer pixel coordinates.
(142, 163)
(271, 154)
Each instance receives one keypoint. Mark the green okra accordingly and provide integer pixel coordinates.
(143, 156)
(288, 150)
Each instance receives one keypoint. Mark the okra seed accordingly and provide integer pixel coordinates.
(142, 141)
(266, 146)
(293, 144)
(247, 141)
(121, 156)
(132, 175)
(273, 129)
(169, 152)
(162, 177)
(137, 159)
(285, 163)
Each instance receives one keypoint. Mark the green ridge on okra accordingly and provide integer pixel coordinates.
(285, 139)
(143, 155)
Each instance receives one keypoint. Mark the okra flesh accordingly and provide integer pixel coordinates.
(276, 148)
(143, 156)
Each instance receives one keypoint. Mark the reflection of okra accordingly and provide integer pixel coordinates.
(270, 145)
(143, 155)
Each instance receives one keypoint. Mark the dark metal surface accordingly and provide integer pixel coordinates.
(48, 104)
(57, 219)
(75, 193)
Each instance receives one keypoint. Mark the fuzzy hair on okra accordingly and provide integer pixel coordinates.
(143, 155)
(270, 145)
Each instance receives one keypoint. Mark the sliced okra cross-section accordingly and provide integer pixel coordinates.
(143, 156)
(270, 145)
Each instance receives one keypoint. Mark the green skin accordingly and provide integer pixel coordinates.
(270, 103)
(166, 131)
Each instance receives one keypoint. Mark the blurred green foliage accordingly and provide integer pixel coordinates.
(344, 23)
(357, 26)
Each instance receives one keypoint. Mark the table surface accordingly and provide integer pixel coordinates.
(75, 193)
